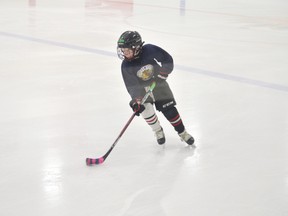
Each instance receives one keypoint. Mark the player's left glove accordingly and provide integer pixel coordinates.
(136, 106)
(161, 76)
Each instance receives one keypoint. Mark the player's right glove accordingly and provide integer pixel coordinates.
(136, 106)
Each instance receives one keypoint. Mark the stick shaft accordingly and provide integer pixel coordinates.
(91, 161)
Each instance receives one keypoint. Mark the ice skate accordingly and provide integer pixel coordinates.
(160, 136)
(186, 137)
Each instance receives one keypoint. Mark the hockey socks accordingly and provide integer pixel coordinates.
(150, 117)
(152, 120)
(174, 118)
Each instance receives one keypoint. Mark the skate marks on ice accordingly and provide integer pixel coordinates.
(132, 199)
(155, 178)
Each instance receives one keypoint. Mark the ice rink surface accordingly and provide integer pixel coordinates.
(63, 99)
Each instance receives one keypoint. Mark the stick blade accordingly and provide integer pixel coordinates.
(94, 161)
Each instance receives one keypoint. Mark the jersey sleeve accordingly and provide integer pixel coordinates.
(163, 58)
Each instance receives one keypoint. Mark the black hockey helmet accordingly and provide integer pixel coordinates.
(131, 40)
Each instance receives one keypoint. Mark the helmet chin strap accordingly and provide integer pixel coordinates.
(137, 51)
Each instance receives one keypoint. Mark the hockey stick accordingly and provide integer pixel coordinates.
(92, 161)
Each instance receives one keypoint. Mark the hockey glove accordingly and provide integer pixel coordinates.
(136, 106)
(161, 76)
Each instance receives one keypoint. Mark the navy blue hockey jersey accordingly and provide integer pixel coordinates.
(140, 72)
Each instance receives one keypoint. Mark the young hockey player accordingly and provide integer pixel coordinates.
(141, 65)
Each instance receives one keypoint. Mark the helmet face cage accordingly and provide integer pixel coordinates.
(131, 40)
(120, 53)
